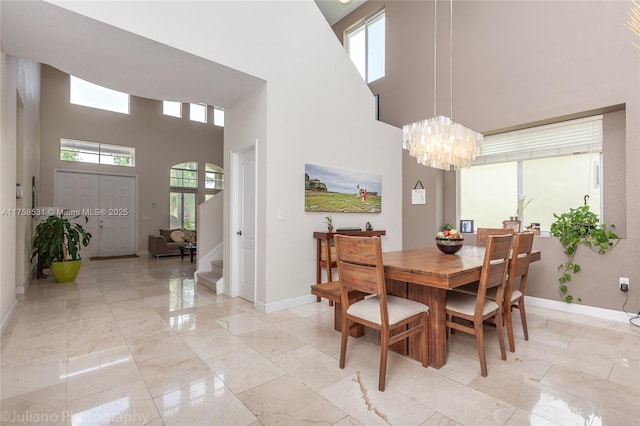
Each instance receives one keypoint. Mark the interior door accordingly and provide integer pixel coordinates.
(109, 203)
(247, 231)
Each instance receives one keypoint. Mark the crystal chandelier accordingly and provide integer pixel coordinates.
(440, 142)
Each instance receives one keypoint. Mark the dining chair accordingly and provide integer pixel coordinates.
(360, 269)
(483, 233)
(476, 308)
(514, 297)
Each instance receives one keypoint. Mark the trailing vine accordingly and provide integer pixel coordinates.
(579, 226)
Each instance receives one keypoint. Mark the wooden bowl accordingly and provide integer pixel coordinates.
(448, 245)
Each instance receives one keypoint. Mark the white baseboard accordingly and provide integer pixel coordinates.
(576, 308)
(7, 319)
(285, 304)
(608, 314)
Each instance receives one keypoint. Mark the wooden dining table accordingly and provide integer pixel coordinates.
(425, 275)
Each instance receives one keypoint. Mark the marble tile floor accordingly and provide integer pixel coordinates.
(135, 341)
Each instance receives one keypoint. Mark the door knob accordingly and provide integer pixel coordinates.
(239, 232)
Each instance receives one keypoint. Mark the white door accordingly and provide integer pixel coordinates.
(247, 224)
(116, 228)
(109, 203)
(79, 192)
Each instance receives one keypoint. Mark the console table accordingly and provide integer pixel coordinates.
(327, 238)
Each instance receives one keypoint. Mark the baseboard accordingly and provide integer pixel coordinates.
(7, 319)
(143, 253)
(285, 304)
(576, 308)
(23, 288)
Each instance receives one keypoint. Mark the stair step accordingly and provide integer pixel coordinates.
(209, 279)
(216, 267)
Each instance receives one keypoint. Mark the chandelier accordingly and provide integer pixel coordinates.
(440, 142)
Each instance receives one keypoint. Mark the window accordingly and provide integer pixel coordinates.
(366, 47)
(213, 180)
(183, 181)
(172, 108)
(555, 166)
(218, 116)
(198, 112)
(87, 94)
(98, 153)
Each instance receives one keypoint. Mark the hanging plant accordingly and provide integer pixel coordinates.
(579, 226)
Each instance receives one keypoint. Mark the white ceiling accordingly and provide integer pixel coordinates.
(114, 58)
(334, 11)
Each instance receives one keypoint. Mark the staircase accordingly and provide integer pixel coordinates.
(212, 279)
(210, 244)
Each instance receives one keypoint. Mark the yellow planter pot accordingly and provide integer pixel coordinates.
(64, 272)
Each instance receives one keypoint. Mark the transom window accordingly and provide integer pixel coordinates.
(198, 112)
(554, 166)
(98, 153)
(365, 45)
(172, 108)
(184, 175)
(92, 95)
(218, 116)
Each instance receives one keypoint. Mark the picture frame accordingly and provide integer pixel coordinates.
(466, 226)
(334, 190)
(511, 224)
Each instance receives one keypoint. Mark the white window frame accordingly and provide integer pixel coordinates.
(218, 116)
(168, 106)
(194, 109)
(101, 151)
(565, 138)
(366, 23)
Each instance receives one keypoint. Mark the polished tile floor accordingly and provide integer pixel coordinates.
(135, 341)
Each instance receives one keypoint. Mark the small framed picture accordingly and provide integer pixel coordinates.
(466, 226)
(511, 224)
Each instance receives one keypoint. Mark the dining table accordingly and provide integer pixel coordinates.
(425, 275)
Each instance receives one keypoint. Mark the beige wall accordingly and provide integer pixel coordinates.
(510, 70)
(160, 141)
(19, 158)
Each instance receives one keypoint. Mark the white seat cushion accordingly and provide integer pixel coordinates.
(397, 307)
(466, 304)
(491, 294)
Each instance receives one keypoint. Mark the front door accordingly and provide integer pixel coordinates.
(109, 202)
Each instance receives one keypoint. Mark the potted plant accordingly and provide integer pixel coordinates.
(329, 221)
(522, 204)
(579, 226)
(57, 243)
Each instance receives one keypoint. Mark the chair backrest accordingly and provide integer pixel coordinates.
(360, 268)
(483, 233)
(519, 264)
(494, 269)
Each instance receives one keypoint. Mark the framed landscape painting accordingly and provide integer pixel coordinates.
(341, 191)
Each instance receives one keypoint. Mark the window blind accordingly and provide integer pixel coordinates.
(578, 136)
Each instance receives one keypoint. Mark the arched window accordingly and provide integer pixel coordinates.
(182, 198)
(213, 180)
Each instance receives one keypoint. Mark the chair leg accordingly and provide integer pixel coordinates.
(503, 353)
(523, 317)
(509, 323)
(343, 341)
(384, 347)
(480, 344)
(425, 340)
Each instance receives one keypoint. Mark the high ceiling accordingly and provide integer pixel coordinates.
(334, 11)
